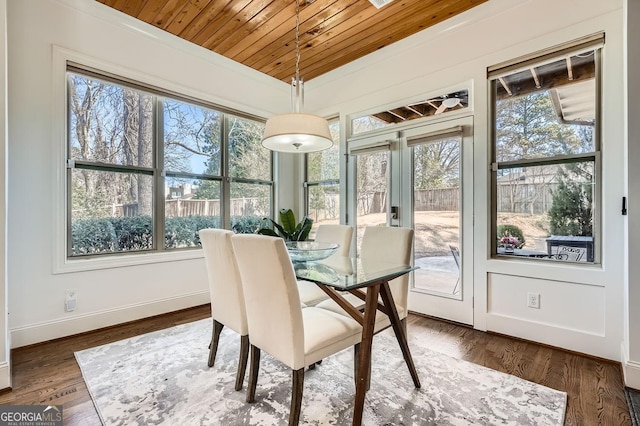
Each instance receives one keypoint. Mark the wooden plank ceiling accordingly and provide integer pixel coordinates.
(261, 33)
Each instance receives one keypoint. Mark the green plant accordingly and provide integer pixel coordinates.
(287, 229)
(246, 224)
(571, 209)
(506, 231)
(90, 236)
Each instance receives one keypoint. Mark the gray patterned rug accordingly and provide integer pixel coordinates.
(163, 378)
(633, 401)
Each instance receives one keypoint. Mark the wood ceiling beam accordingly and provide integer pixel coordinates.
(557, 79)
(569, 68)
(536, 80)
(505, 86)
(397, 115)
(410, 108)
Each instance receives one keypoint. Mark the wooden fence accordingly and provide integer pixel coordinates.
(531, 198)
(190, 207)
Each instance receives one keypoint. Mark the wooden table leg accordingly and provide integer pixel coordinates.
(368, 327)
(387, 298)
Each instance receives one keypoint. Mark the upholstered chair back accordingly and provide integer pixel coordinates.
(382, 244)
(225, 287)
(271, 297)
(340, 234)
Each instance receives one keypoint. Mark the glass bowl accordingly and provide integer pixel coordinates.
(307, 251)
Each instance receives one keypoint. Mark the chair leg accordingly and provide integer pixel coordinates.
(403, 323)
(242, 363)
(296, 396)
(215, 338)
(356, 365)
(253, 373)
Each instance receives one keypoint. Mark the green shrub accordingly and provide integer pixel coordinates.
(511, 231)
(183, 231)
(203, 222)
(115, 234)
(133, 233)
(246, 224)
(91, 236)
(571, 209)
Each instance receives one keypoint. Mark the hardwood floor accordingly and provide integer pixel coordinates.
(47, 373)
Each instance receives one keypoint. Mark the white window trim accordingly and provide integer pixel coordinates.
(60, 263)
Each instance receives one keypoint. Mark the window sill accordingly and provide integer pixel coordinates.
(64, 266)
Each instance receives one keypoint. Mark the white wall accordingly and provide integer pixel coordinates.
(631, 346)
(41, 34)
(581, 307)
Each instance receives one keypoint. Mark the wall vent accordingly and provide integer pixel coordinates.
(379, 3)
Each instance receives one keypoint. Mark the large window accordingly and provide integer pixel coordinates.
(147, 170)
(546, 180)
(323, 182)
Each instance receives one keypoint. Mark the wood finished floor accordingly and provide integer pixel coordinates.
(47, 373)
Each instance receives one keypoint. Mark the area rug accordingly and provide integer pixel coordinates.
(162, 378)
(633, 401)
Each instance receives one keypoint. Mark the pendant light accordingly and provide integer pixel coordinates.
(297, 132)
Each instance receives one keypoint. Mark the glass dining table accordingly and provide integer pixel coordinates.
(338, 274)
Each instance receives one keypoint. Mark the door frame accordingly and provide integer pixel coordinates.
(449, 307)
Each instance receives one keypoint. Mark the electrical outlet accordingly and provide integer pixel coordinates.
(533, 300)
(70, 300)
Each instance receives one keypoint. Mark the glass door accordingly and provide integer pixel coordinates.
(372, 191)
(437, 160)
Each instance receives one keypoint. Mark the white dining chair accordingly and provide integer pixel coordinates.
(227, 298)
(310, 293)
(277, 324)
(382, 244)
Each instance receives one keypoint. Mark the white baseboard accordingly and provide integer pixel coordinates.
(5, 376)
(630, 369)
(41, 332)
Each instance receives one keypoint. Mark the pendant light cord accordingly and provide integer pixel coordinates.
(297, 41)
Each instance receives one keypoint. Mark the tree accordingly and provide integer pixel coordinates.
(372, 182)
(571, 211)
(527, 127)
(437, 165)
(111, 125)
(324, 166)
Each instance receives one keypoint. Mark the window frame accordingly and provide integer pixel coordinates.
(306, 184)
(593, 42)
(64, 258)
